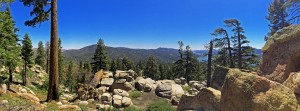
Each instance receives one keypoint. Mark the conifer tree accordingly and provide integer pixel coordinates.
(40, 58)
(162, 71)
(113, 66)
(179, 68)
(10, 50)
(238, 31)
(151, 69)
(70, 81)
(100, 57)
(126, 64)
(277, 16)
(27, 56)
(191, 64)
(62, 76)
(139, 68)
(209, 64)
(41, 12)
(293, 7)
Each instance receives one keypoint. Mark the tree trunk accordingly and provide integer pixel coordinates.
(24, 75)
(239, 49)
(53, 77)
(10, 71)
(208, 78)
(229, 50)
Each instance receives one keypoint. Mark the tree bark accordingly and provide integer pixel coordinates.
(229, 50)
(208, 78)
(53, 77)
(10, 71)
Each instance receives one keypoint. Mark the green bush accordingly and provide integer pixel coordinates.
(186, 88)
(161, 105)
(135, 94)
(133, 108)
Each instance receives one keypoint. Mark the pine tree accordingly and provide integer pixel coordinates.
(62, 76)
(47, 45)
(293, 7)
(126, 64)
(113, 66)
(277, 15)
(139, 68)
(151, 69)
(179, 68)
(100, 57)
(27, 56)
(191, 64)
(10, 50)
(70, 81)
(238, 31)
(87, 67)
(42, 14)
(162, 71)
(224, 44)
(40, 58)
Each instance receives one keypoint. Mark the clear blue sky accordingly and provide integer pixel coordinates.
(146, 23)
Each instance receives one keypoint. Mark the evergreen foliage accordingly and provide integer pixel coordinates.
(70, 80)
(40, 57)
(151, 69)
(100, 57)
(10, 50)
(27, 56)
(277, 16)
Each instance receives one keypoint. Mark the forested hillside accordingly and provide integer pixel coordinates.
(164, 55)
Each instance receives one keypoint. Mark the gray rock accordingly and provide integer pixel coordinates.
(126, 101)
(107, 82)
(117, 101)
(83, 103)
(164, 90)
(121, 92)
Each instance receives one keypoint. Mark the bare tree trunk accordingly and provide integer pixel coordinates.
(10, 71)
(208, 78)
(229, 50)
(53, 77)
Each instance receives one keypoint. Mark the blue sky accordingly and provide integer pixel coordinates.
(146, 23)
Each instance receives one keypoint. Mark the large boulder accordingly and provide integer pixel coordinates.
(97, 77)
(143, 85)
(107, 82)
(124, 86)
(121, 92)
(126, 102)
(218, 77)
(243, 91)
(293, 82)
(117, 101)
(29, 97)
(281, 54)
(168, 90)
(208, 99)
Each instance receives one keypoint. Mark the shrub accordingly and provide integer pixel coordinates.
(133, 108)
(161, 105)
(186, 88)
(135, 94)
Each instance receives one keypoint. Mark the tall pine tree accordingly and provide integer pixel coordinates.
(27, 56)
(40, 57)
(62, 76)
(10, 50)
(41, 12)
(70, 81)
(100, 57)
(277, 16)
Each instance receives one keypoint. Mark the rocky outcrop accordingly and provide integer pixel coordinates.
(244, 91)
(293, 82)
(218, 77)
(97, 77)
(281, 54)
(144, 85)
(208, 99)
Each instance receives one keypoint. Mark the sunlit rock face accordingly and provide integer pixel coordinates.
(281, 54)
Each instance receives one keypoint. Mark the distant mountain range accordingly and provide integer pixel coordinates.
(163, 55)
